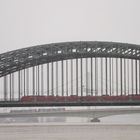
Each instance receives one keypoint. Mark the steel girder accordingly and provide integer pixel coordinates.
(28, 57)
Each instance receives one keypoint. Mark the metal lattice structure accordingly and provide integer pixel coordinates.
(28, 57)
(83, 69)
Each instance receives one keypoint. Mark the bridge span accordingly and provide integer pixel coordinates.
(71, 74)
(69, 103)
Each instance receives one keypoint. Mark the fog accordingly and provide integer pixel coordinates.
(27, 23)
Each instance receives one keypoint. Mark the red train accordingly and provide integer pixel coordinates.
(78, 98)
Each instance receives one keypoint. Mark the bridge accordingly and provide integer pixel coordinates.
(108, 71)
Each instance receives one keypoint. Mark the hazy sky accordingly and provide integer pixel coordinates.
(26, 23)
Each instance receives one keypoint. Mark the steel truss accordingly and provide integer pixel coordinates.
(29, 57)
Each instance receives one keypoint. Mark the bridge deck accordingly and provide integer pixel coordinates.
(102, 103)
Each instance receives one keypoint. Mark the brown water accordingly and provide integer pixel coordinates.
(69, 131)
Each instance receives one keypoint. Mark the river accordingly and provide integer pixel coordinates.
(71, 131)
(118, 127)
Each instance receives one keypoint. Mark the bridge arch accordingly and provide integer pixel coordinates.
(84, 68)
(28, 57)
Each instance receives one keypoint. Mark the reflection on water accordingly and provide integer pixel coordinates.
(32, 120)
(118, 127)
(122, 119)
(116, 119)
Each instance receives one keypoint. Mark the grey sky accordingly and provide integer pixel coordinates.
(26, 23)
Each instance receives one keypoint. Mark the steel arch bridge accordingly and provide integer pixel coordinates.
(84, 68)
